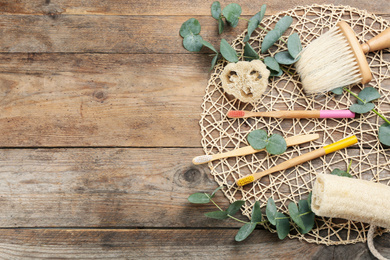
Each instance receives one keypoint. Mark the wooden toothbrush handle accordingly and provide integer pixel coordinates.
(292, 162)
(379, 42)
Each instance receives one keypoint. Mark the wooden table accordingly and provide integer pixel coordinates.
(100, 105)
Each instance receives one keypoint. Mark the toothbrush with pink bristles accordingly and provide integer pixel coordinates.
(293, 114)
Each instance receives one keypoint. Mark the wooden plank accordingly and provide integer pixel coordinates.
(168, 244)
(104, 188)
(176, 7)
(148, 244)
(101, 100)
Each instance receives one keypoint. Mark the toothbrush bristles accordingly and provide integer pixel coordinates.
(236, 113)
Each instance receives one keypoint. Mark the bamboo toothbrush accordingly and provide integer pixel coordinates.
(300, 159)
(293, 114)
(336, 59)
(294, 140)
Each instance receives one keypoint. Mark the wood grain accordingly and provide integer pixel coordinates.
(148, 244)
(176, 7)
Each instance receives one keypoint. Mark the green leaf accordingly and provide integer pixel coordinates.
(306, 215)
(245, 231)
(217, 214)
(191, 26)
(361, 108)
(254, 22)
(294, 45)
(256, 213)
(274, 35)
(257, 139)
(231, 13)
(250, 53)
(285, 58)
(276, 144)
(271, 211)
(309, 199)
(384, 134)
(341, 173)
(271, 63)
(283, 24)
(276, 73)
(214, 61)
(228, 52)
(235, 207)
(193, 42)
(217, 189)
(209, 45)
(221, 25)
(338, 91)
(199, 198)
(368, 94)
(282, 225)
(216, 10)
(294, 214)
(270, 38)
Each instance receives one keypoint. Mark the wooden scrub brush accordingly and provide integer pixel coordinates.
(336, 59)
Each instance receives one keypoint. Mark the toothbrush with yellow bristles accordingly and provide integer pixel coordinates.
(290, 141)
(298, 160)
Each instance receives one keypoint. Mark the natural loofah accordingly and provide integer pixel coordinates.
(245, 80)
(370, 159)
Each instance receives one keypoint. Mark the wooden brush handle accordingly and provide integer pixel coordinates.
(292, 162)
(379, 42)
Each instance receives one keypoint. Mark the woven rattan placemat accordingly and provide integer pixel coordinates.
(370, 160)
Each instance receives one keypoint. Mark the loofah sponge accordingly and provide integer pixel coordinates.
(353, 199)
(245, 80)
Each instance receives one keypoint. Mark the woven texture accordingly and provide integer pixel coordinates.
(370, 160)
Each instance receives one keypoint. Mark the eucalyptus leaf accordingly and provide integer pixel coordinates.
(271, 63)
(231, 13)
(285, 58)
(199, 198)
(214, 61)
(276, 73)
(209, 45)
(271, 211)
(361, 108)
(216, 10)
(306, 215)
(254, 22)
(217, 189)
(341, 173)
(257, 139)
(283, 24)
(294, 214)
(228, 52)
(256, 213)
(217, 214)
(191, 26)
(235, 207)
(294, 45)
(309, 199)
(221, 25)
(193, 42)
(384, 134)
(276, 144)
(250, 53)
(282, 225)
(270, 38)
(245, 231)
(338, 91)
(368, 94)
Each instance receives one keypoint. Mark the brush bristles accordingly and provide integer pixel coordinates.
(236, 114)
(328, 63)
(246, 180)
(202, 159)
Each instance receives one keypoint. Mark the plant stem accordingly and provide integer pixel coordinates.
(373, 110)
(243, 19)
(349, 166)
(236, 219)
(303, 214)
(214, 202)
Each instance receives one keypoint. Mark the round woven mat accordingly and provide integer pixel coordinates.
(370, 160)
